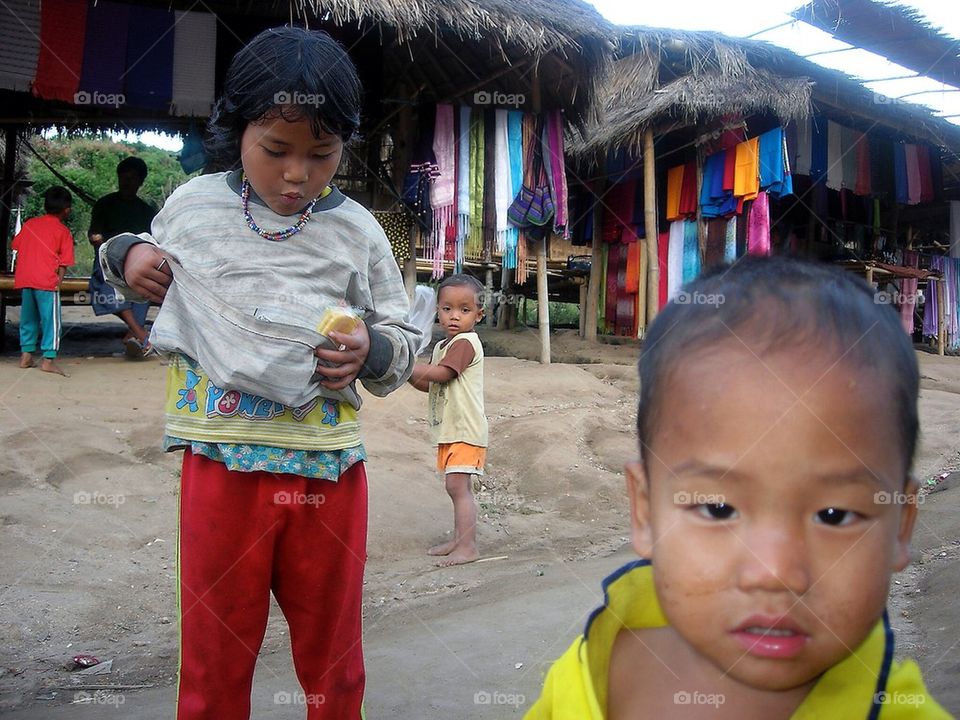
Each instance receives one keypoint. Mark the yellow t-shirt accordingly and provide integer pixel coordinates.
(455, 410)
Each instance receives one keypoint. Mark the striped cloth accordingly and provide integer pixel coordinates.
(194, 60)
(19, 43)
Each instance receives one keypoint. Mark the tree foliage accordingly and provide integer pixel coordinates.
(90, 162)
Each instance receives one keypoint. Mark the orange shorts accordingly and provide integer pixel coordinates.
(461, 457)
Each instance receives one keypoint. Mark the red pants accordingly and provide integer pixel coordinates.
(243, 535)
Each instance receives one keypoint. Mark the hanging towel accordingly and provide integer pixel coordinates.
(675, 259)
(758, 226)
(900, 172)
(818, 149)
(834, 155)
(663, 263)
(149, 79)
(443, 191)
(746, 182)
(557, 168)
(19, 43)
(62, 30)
(913, 173)
(802, 159)
(848, 144)
(674, 184)
(688, 190)
(730, 241)
(691, 251)
(501, 178)
(863, 185)
(474, 248)
(105, 49)
(773, 169)
(194, 62)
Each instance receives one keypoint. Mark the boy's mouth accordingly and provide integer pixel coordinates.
(771, 637)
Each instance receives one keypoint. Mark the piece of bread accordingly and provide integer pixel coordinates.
(337, 319)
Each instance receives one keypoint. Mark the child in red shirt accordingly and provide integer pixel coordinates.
(44, 248)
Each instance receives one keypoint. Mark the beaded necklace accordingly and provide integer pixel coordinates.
(266, 235)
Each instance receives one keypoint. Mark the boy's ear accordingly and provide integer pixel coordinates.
(638, 491)
(908, 516)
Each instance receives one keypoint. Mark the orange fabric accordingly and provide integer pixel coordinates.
(674, 185)
(632, 280)
(746, 178)
(456, 457)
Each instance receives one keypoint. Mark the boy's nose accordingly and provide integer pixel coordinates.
(774, 560)
(295, 171)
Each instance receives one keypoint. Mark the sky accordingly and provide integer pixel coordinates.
(745, 17)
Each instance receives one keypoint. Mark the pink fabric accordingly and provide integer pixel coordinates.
(557, 170)
(443, 190)
(758, 226)
(913, 173)
(862, 186)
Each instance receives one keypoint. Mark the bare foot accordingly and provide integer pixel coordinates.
(461, 556)
(26, 360)
(443, 548)
(50, 366)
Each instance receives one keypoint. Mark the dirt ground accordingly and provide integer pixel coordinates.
(88, 515)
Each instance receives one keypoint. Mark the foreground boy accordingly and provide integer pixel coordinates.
(771, 503)
(458, 424)
(44, 248)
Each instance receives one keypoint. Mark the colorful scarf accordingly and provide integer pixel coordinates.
(558, 180)
(463, 184)
(502, 182)
(474, 247)
(691, 251)
(675, 259)
(515, 143)
(443, 192)
(758, 226)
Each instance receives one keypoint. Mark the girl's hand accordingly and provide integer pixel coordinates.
(145, 271)
(347, 363)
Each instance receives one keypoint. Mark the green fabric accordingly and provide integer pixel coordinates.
(475, 240)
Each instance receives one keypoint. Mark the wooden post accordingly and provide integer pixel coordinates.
(583, 307)
(650, 226)
(543, 300)
(870, 275)
(12, 132)
(488, 297)
(641, 308)
(596, 256)
(941, 319)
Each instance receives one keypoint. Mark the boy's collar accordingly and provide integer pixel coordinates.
(630, 601)
(331, 198)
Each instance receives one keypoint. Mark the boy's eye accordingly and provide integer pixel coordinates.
(716, 511)
(836, 516)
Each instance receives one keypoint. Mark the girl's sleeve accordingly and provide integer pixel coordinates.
(393, 339)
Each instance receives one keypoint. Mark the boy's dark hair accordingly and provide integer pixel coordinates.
(56, 199)
(285, 66)
(777, 303)
(464, 280)
(133, 164)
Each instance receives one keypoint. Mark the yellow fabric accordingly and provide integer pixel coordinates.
(746, 175)
(196, 409)
(576, 685)
(674, 185)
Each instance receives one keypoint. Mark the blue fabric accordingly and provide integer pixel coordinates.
(40, 318)
(149, 80)
(818, 154)
(105, 48)
(773, 175)
(710, 200)
(900, 173)
(105, 301)
(515, 149)
(691, 251)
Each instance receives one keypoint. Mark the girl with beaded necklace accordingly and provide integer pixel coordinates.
(273, 494)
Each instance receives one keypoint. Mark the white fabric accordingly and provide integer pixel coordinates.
(423, 312)
(19, 43)
(502, 181)
(675, 260)
(194, 62)
(834, 155)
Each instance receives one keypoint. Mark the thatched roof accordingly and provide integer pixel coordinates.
(895, 31)
(669, 79)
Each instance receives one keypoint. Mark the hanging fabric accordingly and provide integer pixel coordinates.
(443, 190)
(691, 251)
(848, 150)
(804, 147)
(19, 44)
(194, 62)
(515, 145)
(774, 177)
(758, 226)
(834, 156)
(908, 292)
(926, 183)
(557, 164)
(474, 246)
(819, 151)
(502, 181)
(674, 185)
(863, 184)
(150, 41)
(675, 259)
(663, 264)
(900, 173)
(59, 64)
(463, 184)
(746, 182)
(688, 190)
(913, 173)
(730, 240)
(105, 49)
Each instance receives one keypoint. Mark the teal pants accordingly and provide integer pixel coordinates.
(40, 318)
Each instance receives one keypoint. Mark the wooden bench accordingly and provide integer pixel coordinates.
(73, 291)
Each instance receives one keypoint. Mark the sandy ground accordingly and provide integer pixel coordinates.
(88, 524)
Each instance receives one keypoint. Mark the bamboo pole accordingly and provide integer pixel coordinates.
(941, 319)
(543, 300)
(650, 224)
(641, 310)
(583, 309)
(593, 290)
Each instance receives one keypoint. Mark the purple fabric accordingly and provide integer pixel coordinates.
(105, 48)
(758, 226)
(931, 320)
(149, 79)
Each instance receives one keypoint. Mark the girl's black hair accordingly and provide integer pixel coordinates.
(305, 72)
(776, 304)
